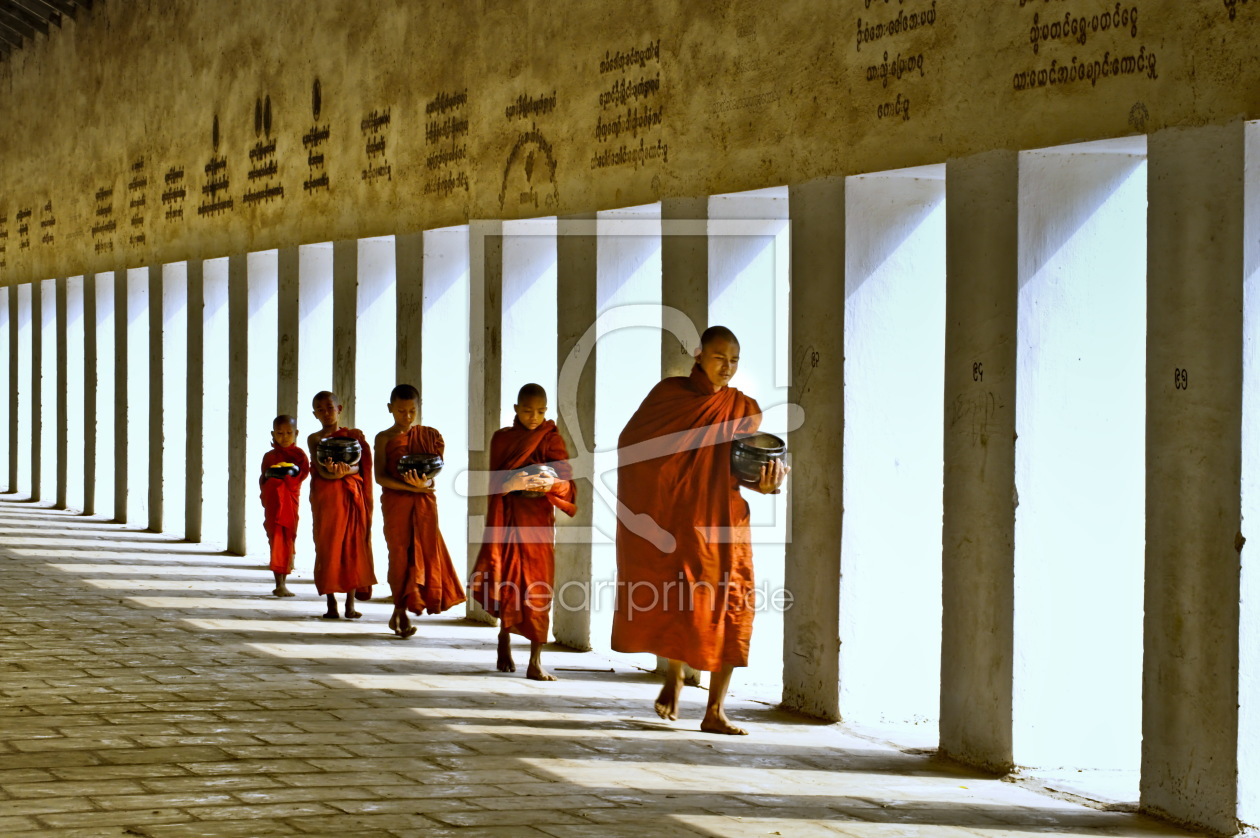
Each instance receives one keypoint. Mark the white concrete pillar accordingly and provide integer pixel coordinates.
(71, 458)
(345, 293)
(175, 415)
(50, 383)
(63, 386)
(1194, 387)
(684, 275)
(38, 327)
(444, 386)
(6, 383)
(135, 384)
(194, 383)
(577, 261)
(239, 488)
(14, 327)
(120, 464)
(217, 313)
(409, 310)
(104, 430)
(315, 314)
(485, 355)
(91, 400)
(982, 236)
(811, 637)
(23, 401)
(288, 290)
(156, 432)
(1249, 582)
(894, 351)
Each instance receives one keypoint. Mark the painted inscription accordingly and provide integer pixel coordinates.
(630, 114)
(446, 143)
(1084, 46)
(529, 176)
(47, 224)
(173, 193)
(215, 197)
(902, 57)
(4, 240)
(264, 169)
(137, 201)
(313, 142)
(375, 130)
(1231, 7)
(103, 222)
(24, 229)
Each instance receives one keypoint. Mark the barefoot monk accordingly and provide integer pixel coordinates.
(684, 551)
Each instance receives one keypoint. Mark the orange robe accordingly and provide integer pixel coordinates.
(342, 513)
(280, 497)
(516, 568)
(421, 573)
(684, 552)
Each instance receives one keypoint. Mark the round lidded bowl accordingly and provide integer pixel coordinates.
(537, 468)
(749, 453)
(339, 449)
(427, 464)
(283, 470)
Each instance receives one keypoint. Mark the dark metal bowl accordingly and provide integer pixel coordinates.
(283, 470)
(534, 469)
(339, 449)
(427, 464)
(750, 453)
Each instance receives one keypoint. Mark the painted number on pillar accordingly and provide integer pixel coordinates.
(977, 371)
(1181, 378)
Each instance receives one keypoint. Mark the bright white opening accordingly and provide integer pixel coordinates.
(75, 388)
(894, 351)
(262, 379)
(627, 367)
(444, 371)
(749, 257)
(174, 395)
(315, 314)
(137, 390)
(214, 482)
(376, 329)
(47, 489)
(529, 311)
(4, 386)
(1080, 463)
(26, 409)
(1249, 628)
(106, 389)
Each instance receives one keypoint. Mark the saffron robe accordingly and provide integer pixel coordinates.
(421, 573)
(280, 496)
(684, 551)
(515, 572)
(342, 525)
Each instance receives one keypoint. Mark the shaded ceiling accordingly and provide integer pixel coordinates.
(22, 20)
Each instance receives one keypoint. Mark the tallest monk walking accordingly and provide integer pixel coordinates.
(684, 550)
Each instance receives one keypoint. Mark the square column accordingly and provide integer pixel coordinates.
(156, 433)
(345, 331)
(13, 388)
(811, 634)
(981, 314)
(37, 391)
(684, 275)
(409, 310)
(485, 375)
(1194, 390)
(573, 407)
(195, 382)
(120, 395)
(91, 405)
(63, 420)
(240, 489)
(289, 331)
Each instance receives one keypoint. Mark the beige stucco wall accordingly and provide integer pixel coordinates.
(524, 97)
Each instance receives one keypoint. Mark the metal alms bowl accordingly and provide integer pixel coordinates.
(749, 453)
(282, 470)
(426, 464)
(534, 469)
(339, 449)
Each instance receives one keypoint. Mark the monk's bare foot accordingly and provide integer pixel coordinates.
(718, 723)
(535, 672)
(405, 628)
(667, 702)
(282, 591)
(332, 614)
(393, 623)
(506, 664)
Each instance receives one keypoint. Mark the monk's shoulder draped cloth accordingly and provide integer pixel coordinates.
(280, 497)
(342, 522)
(515, 570)
(684, 557)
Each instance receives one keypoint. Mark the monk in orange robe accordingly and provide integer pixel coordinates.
(515, 573)
(280, 497)
(684, 551)
(421, 573)
(341, 506)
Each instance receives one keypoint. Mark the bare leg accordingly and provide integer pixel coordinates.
(281, 588)
(505, 663)
(715, 720)
(667, 702)
(332, 614)
(535, 672)
(351, 614)
(401, 623)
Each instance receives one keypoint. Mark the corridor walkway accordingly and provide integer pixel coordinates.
(153, 688)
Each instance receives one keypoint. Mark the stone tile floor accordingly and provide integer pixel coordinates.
(154, 688)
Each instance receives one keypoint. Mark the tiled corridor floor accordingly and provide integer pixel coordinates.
(154, 688)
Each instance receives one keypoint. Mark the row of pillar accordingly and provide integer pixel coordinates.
(1200, 476)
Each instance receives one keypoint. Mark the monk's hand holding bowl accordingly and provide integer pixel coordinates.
(773, 474)
(337, 468)
(541, 483)
(420, 483)
(519, 482)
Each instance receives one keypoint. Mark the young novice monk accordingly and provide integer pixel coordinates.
(280, 497)
(421, 573)
(341, 506)
(515, 570)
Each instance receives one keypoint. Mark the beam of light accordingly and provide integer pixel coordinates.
(169, 570)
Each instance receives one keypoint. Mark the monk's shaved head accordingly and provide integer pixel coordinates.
(325, 394)
(717, 333)
(404, 393)
(282, 420)
(531, 391)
